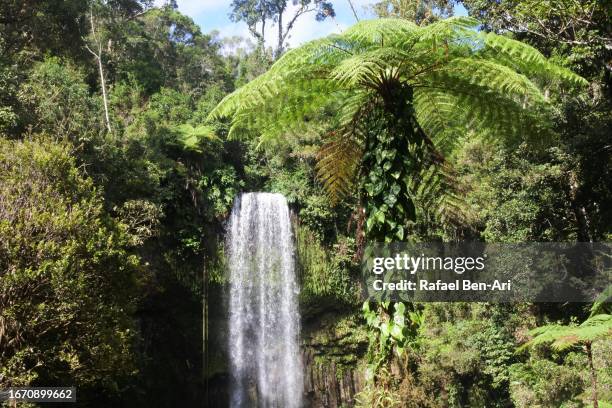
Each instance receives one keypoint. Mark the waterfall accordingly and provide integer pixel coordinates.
(264, 325)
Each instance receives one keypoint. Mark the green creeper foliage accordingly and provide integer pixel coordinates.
(394, 328)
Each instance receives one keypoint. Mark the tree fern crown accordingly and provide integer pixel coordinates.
(453, 78)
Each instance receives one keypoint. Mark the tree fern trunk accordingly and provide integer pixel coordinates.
(395, 148)
(593, 374)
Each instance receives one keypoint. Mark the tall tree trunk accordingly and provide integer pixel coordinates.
(103, 85)
(353, 10)
(262, 41)
(582, 220)
(593, 374)
(279, 46)
(98, 57)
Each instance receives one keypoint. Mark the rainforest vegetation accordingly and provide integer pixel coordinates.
(126, 132)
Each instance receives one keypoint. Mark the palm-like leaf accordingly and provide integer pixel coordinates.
(191, 137)
(603, 303)
(563, 337)
(459, 78)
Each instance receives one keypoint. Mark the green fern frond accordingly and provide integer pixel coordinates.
(527, 59)
(449, 29)
(337, 165)
(339, 158)
(380, 31)
(367, 67)
(603, 303)
(438, 193)
(563, 337)
(191, 137)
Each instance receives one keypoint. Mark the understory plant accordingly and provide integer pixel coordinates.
(565, 337)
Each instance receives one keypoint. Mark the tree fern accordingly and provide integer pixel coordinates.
(190, 137)
(560, 337)
(390, 84)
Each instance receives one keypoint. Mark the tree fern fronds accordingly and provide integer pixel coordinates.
(339, 158)
(598, 320)
(470, 72)
(449, 113)
(440, 115)
(603, 303)
(445, 31)
(428, 85)
(191, 137)
(269, 86)
(368, 66)
(283, 109)
(337, 165)
(350, 110)
(527, 59)
(563, 337)
(342, 56)
(438, 193)
(381, 31)
(477, 109)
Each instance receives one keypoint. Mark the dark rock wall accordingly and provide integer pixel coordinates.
(326, 386)
(334, 347)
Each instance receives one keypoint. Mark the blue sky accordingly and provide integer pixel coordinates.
(214, 15)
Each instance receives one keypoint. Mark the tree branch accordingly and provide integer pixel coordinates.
(353, 10)
(301, 11)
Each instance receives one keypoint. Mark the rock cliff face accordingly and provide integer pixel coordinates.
(326, 386)
(333, 352)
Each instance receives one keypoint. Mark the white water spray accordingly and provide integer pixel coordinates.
(264, 325)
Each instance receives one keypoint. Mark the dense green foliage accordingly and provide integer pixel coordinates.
(110, 299)
(68, 278)
(112, 269)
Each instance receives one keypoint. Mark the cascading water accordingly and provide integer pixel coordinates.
(264, 322)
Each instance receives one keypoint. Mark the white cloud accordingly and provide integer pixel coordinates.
(194, 8)
(234, 29)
